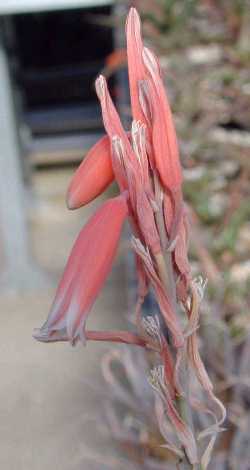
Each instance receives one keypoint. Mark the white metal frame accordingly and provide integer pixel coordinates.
(19, 270)
(9, 7)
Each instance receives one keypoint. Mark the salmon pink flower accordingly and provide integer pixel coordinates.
(86, 271)
(136, 68)
(93, 175)
(164, 139)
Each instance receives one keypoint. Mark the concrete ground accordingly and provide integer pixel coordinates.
(46, 409)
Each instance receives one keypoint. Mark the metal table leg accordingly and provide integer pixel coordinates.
(16, 267)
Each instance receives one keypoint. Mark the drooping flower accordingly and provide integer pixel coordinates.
(86, 271)
(93, 175)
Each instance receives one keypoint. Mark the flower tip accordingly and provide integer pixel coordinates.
(133, 14)
(100, 84)
(76, 196)
(133, 22)
(100, 78)
(71, 202)
(40, 335)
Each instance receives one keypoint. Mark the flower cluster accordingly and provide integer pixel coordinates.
(145, 163)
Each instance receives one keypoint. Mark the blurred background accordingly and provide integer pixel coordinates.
(69, 408)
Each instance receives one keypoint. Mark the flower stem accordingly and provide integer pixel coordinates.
(164, 263)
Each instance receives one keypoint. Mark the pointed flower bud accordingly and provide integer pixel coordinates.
(164, 139)
(136, 68)
(93, 175)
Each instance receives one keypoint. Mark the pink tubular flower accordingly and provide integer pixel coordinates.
(163, 132)
(86, 271)
(93, 175)
(136, 69)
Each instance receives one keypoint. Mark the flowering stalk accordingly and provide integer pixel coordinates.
(145, 163)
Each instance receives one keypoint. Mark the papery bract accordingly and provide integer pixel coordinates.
(180, 252)
(160, 385)
(167, 311)
(86, 271)
(93, 175)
